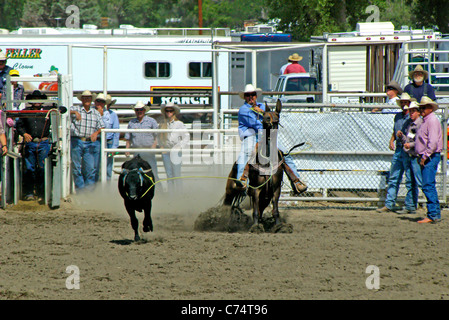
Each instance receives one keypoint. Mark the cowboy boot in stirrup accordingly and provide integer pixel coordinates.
(242, 183)
(298, 187)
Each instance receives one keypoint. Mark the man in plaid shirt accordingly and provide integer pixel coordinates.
(85, 145)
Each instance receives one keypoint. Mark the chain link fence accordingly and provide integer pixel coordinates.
(346, 158)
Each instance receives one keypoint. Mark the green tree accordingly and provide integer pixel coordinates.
(429, 13)
(10, 14)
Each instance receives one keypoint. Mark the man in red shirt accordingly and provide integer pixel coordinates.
(294, 67)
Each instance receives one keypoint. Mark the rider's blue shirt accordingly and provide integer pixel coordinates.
(250, 122)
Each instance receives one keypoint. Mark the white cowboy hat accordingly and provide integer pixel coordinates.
(172, 105)
(413, 105)
(140, 105)
(404, 97)
(295, 57)
(425, 101)
(101, 96)
(248, 89)
(2, 56)
(109, 100)
(418, 68)
(86, 93)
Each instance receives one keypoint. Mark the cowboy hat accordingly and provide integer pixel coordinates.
(109, 100)
(394, 85)
(426, 101)
(2, 56)
(86, 93)
(418, 68)
(36, 95)
(248, 89)
(295, 57)
(172, 105)
(404, 97)
(141, 105)
(101, 96)
(413, 105)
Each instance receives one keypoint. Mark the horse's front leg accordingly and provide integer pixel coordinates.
(257, 214)
(275, 211)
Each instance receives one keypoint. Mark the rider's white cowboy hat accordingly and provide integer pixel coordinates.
(171, 105)
(248, 89)
(426, 101)
(418, 68)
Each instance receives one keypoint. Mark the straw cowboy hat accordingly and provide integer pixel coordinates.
(101, 96)
(248, 89)
(87, 93)
(418, 68)
(295, 57)
(36, 95)
(413, 105)
(2, 56)
(172, 105)
(109, 100)
(426, 101)
(393, 84)
(404, 97)
(140, 105)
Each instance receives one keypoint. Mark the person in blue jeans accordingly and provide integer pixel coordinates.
(36, 136)
(400, 164)
(429, 144)
(408, 139)
(250, 124)
(85, 146)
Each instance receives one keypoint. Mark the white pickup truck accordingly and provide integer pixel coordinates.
(294, 82)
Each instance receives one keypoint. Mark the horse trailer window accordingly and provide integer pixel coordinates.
(200, 69)
(157, 69)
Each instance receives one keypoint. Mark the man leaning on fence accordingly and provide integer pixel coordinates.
(400, 164)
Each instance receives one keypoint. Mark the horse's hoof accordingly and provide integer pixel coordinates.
(147, 229)
(283, 228)
(136, 237)
(257, 228)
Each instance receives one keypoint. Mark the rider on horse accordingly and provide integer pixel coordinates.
(250, 122)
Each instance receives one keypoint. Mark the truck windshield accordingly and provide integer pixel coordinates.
(301, 84)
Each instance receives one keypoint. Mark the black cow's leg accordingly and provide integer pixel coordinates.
(134, 221)
(147, 221)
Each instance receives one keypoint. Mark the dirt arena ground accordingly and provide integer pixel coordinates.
(325, 257)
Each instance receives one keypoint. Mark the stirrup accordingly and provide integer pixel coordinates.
(300, 186)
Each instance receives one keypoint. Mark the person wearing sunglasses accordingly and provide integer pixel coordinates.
(172, 140)
(250, 117)
(429, 144)
(143, 140)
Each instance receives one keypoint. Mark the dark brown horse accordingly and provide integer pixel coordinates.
(265, 172)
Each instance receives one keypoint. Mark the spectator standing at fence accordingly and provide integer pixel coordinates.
(419, 88)
(111, 121)
(175, 141)
(36, 136)
(393, 91)
(18, 90)
(294, 67)
(281, 71)
(408, 139)
(143, 140)
(429, 144)
(250, 117)
(4, 69)
(85, 145)
(400, 164)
